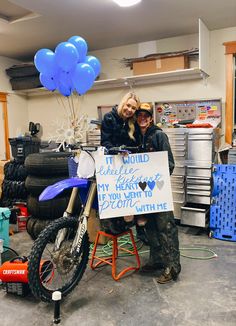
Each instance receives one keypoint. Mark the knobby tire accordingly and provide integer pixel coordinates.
(43, 290)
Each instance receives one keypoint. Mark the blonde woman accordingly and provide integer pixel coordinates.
(118, 126)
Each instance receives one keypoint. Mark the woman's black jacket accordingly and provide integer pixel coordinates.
(114, 131)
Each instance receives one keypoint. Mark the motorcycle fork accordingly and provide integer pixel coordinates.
(82, 227)
(69, 210)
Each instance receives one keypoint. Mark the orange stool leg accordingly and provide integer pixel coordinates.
(134, 252)
(112, 259)
(135, 248)
(94, 250)
(101, 261)
(114, 255)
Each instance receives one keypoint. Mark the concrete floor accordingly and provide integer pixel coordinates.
(205, 293)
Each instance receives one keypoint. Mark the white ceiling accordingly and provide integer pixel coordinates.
(102, 23)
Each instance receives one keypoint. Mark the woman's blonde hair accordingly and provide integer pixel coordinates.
(131, 121)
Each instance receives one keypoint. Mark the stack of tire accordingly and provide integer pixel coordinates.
(45, 169)
(13, 185)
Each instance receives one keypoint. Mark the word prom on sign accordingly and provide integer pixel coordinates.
(133, 184)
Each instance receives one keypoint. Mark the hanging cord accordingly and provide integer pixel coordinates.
(124, 241)
(11, 250)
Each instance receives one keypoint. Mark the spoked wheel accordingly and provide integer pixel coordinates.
(52, 270)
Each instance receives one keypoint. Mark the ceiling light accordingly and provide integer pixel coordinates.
(126, 3)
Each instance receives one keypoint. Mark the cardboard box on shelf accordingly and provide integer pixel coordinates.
(160, 65)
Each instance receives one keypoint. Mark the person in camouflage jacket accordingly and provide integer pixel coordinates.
(160, 228)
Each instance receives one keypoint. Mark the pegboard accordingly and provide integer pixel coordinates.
(223, 208)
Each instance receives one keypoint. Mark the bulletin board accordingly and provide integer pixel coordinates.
(200, 111)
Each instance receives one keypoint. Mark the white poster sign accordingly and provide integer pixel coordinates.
(133, 184)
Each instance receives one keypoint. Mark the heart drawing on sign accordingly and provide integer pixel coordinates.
(160, 184)
(142, 185)
(151, 184)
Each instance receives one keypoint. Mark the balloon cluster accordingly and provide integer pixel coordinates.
(69, 68)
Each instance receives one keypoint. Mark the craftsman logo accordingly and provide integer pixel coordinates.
(13, 272)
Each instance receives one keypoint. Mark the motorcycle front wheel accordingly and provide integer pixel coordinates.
(52, 270)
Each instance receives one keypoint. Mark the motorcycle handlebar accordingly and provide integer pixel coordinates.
(123, 149)
(112, 150)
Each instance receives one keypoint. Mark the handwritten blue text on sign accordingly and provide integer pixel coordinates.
(133, 184)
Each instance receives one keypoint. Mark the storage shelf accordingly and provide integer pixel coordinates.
(140, 80)
(157, 78)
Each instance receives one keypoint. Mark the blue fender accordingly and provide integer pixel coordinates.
(52, 191)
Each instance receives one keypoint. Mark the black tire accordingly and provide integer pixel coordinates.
(6, 202)
(9, 202)
(30, 226)
(35, 185)
(49, 209)
(35, 226)
(9, 170)
(59, 262)
(22, 173)
(14, 189)
(47, 164)
(39, 226)
(15, 171)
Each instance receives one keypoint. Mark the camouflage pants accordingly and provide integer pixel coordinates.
(114, 225)
(162, 235)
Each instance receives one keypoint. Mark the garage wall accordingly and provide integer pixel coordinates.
(17, 105)
(47, 110)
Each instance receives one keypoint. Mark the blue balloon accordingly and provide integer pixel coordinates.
(48, 82)
(83, 78)
(64, 78)
(45, 62)
(66, 56)
(80, 45)
(94, 63)
(63, 89)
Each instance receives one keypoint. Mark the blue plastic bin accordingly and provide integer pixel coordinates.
(4, 225)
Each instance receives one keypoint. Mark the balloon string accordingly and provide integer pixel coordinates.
(73, 108)
(66, 106)
(71, 113)
(75, 118)
(59, 103)
(77, 97)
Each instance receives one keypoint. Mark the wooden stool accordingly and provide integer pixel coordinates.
(111, 260)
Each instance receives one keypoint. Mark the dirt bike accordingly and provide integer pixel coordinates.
(63, 245)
